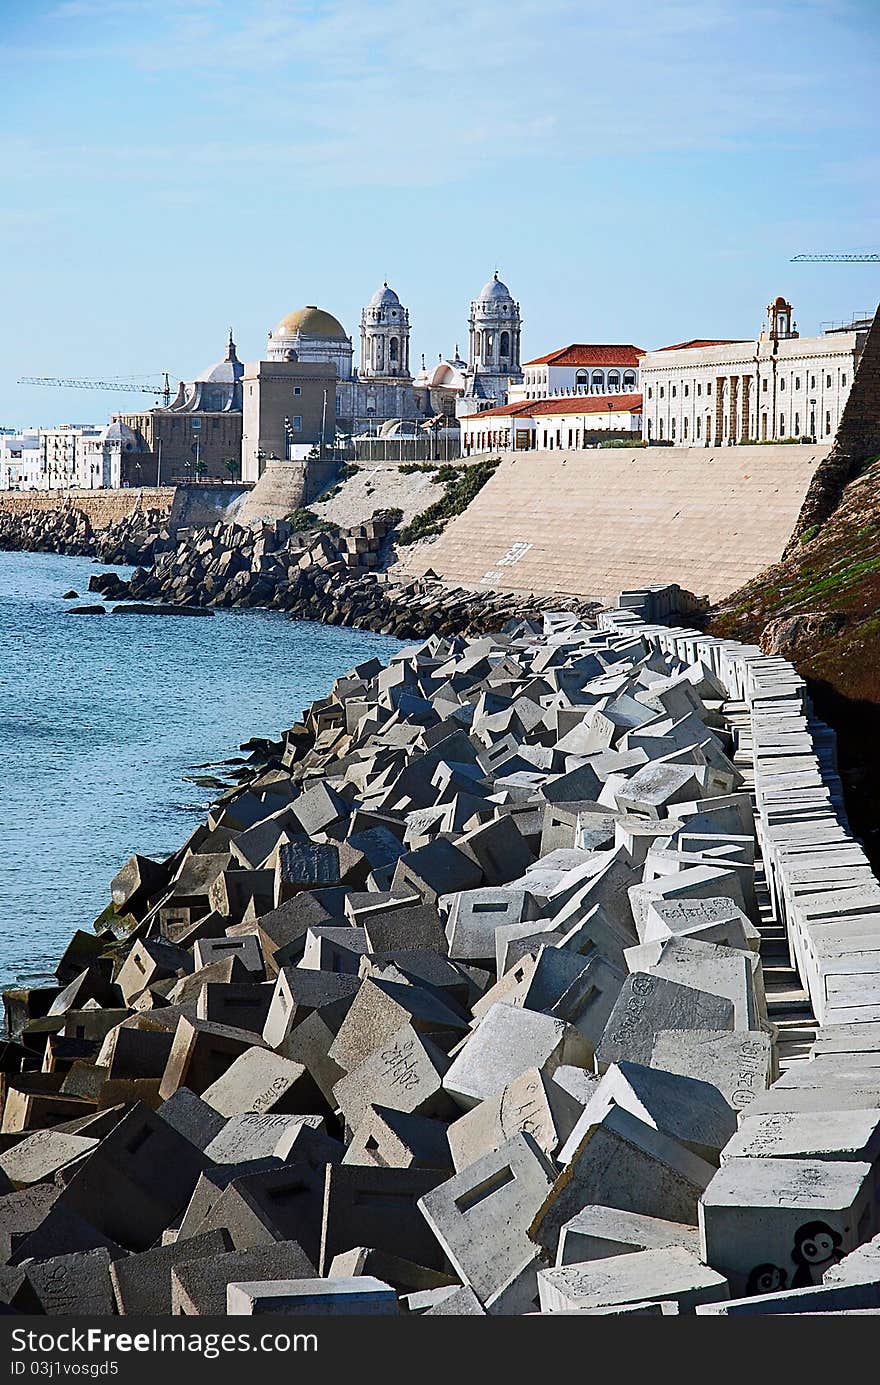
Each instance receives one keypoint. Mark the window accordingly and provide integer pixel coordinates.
(197, 423)
(297, 423)
(782, 425)
(797, 424)
(662, 391)
(672, 431)
(687, 390)
(629, 380)
(699, 389)
(650, 429)
(684, 431)
(490, 342)
(781, 385)
(797, 382)
(843, 381)
(827, 422)
(613, 381)
(828, 382)
(297, 389)
(709, 387)
(650, 391)
(812, 382)
(674, 391)
(582, 378)
(504, 347)
(764, 385)
(699, 427)
(393, 349)
(661, 430)
(598, 380)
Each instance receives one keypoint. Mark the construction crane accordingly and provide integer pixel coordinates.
(64, 382)
(837, 259)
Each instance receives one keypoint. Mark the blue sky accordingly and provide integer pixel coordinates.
(638, 172)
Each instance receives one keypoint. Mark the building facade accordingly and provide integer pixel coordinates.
(289, 411)
(781, 388)
(63, 454)
(573, 423)
(20, 460)
(197, 435)
(580, 369)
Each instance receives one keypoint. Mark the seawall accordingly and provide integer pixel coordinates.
(597, 522)
(101, 508)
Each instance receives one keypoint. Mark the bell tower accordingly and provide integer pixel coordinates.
(385, 338)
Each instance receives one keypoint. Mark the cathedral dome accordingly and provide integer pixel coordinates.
(384, 297)
(493, 290)
(310, 322)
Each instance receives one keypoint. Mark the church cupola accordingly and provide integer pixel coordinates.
(385, 337)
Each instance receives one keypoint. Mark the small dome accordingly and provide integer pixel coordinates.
(310, 322)
(117, 432)
(384, 297)
(494, 289)
(225, 372)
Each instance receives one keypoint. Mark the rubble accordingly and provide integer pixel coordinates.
(455, 1006)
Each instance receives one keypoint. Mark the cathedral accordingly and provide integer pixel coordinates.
(382, 387)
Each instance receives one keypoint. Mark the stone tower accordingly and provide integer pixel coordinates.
(384, 338)
(494, 328)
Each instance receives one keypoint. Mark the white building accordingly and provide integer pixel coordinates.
(494, 330)
(62, 455)
(580, 368)
(782, 387)
(20, 460)
(571, 422)
(102, 458)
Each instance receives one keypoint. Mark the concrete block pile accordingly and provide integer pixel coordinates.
(456, 1007)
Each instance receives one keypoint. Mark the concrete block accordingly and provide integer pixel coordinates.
(506, 1042)
(738, 1064)
(596, 1233)
(798, 1216)
(481, 1215)
(201, 1052)
(198, 1285)
(142, 1283)
(391, 1139)
(646, 1004)
(532, 1102)
(377, 1207)
(671, 1273)
(361, 1297)
(405, 1074)
(259, 1080)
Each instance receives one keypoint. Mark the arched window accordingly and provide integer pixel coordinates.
(393, 349)
(582, 378)
(613, 381)
(489, 338)
(598, 381)
(629, 380)
(504, 347)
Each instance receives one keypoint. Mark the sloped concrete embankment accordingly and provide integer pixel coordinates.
(594, 523)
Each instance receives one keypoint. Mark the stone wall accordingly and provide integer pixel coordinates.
(101, 508)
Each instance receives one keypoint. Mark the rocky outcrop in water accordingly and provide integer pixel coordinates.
(68, 530)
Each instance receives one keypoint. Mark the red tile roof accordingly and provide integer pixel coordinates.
(700, 341)
(579, 354)
(569, 404)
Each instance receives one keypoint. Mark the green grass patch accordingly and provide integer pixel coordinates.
(461, 484)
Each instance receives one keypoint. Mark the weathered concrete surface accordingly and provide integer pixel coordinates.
(592, 523)
(282, 488)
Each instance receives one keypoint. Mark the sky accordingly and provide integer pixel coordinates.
(637, 172)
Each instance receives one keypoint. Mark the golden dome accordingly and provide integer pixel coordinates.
(310, 322)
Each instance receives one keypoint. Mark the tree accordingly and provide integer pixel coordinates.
(231, 466)
(200, 469)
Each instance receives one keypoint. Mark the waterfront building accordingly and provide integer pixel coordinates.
(494, 329)
(19, 459)
(578, 369)
(62, 454)
(197, 435)
(781, 387)
(571, 421)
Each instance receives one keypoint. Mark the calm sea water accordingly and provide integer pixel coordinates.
(101, 720)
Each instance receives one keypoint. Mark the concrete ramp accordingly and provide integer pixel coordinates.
(595, 523)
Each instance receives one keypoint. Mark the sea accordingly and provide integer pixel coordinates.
(112, 729)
